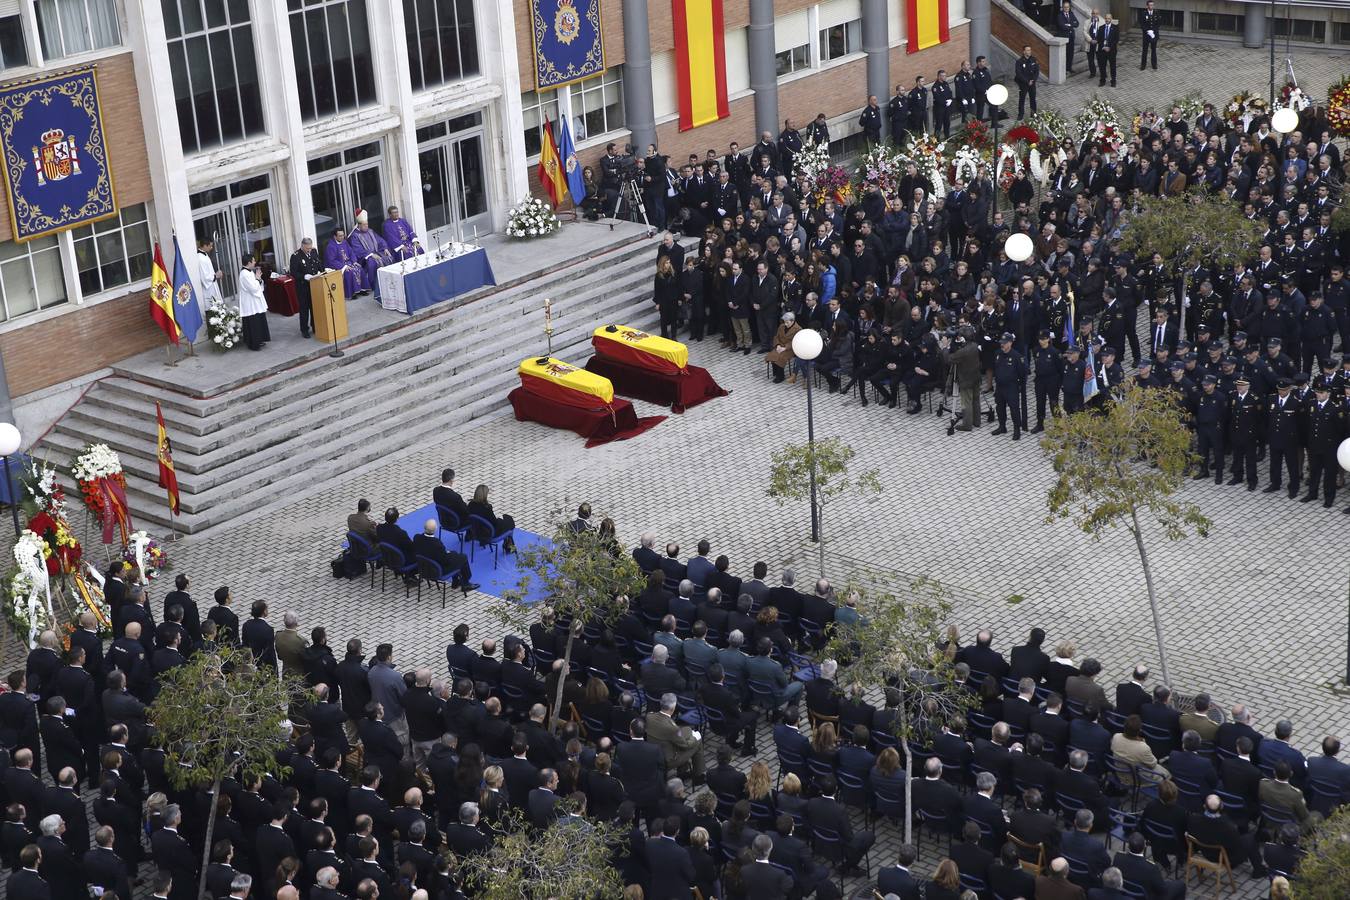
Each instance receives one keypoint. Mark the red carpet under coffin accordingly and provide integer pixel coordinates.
(673, 388)
(599, 425)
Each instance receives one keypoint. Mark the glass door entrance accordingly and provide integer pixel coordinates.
(238, 218)
(454, 178)
(342, 181)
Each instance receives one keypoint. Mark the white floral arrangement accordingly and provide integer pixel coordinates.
(929, 156)
(1096, 117)
(29, 587)
(1007, 166)
(39, 481)
(1192, 105)
(813, 160)
(532, 218)
(881, 166)
(1294, 98)
(966, 164)
(96, 461)
(224, 325)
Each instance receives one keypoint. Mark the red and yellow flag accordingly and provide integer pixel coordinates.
(550, 167)
(168, 479)
(700, 62)
(161, 298)
(927, 24)
(115, 512)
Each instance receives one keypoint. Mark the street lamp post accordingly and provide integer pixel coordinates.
(997, 95)
(806, 346)
(10, 442)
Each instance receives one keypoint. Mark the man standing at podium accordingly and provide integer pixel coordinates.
(305, 267)
(370, 250)
(399, 235)
(337, 255)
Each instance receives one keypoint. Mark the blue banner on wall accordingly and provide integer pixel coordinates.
(56, 159)
(568, 43)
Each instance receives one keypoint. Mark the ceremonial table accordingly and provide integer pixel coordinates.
(279, 291)
(560, 395)
(650, 368)
(421, 281)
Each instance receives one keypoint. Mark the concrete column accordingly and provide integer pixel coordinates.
(281, 102)
(978, 13)
(1254, 25)
(393, 81)
(877, 45)
(637, 74)
(764, 66)
(506, 122)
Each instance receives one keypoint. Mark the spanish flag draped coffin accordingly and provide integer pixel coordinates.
(562, 395)
(650, 368)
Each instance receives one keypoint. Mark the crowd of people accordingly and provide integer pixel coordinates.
(915, 291)
(393, 777)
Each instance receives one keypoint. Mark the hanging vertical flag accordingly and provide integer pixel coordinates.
(161, 298)
(1069, 332)
(186, 312)
(168, 479)
(700, 62)
(1090, 375)
(927, 24)
(550, 168)
(576, 185)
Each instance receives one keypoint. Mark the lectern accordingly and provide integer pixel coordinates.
(330, 306)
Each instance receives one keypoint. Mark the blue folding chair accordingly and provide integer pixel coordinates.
(361, 550)
(790, 761)
(430, 572)
(449, 521)
(830, 845)
(482, 533)
(1122, 823)
(806, 668)
(392, 560)
(973, 883)
(938, 822)
(886, 805)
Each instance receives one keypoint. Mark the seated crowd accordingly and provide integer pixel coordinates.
(393, 777)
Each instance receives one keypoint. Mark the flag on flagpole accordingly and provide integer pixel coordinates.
(161, 298)
(550, 167)
(576, 185)
(168, 479)
(186, 312)
(1090, 375)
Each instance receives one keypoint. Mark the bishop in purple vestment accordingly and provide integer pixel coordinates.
(337, 255)
(399, 235)
(370, 250)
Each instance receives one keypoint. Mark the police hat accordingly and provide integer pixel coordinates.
(1274, 342)
(1252, 349)
(1108, 350)
(1215, 345)
(1328, 362)
(1322, 384)
(1145, 363)
(1243, 379)
(1045, 333)
(1209, 379)
(1202, 327)
(1190, 357)
(1177, 365)
(1284, 383)
(1301, 379)
(1073, 348)
(1183, 346)
(1229, 361)
(1008, 338)
(1239, 335)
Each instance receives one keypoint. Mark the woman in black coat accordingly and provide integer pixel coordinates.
(840, 358)
(666, 294)
(868, 362)
(479, 506)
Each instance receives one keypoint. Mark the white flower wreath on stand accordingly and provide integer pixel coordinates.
(97, 461)
(966, 164)
(532, 218)
(1007, 153)
(30, 590)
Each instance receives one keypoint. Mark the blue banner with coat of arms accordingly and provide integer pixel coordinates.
(568, 43)
(55, 156)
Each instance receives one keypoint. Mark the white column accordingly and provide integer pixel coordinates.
(505, 150)
(281, 106)
(393, 85)
(172, 213)
(564, 112)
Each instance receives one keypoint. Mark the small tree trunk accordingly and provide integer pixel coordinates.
(1152, 595)
(210, 833)
(820, 544)
(562, 679)
(909, 768)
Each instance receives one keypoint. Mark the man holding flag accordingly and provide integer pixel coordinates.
(186, 312)
(550, 167)
(161, 299)
(168, 479)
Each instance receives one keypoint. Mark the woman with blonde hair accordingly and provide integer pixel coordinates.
(788, 798)
(666, 294)
(481, 507)
(946, 883)
(1061, 666)
(782, 356)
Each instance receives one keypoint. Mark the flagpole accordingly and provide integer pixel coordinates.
(173, 527)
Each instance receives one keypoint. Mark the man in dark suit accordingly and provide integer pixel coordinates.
(43, 662)
(794, 854)
(63, 746)
(123, 708)
(789, 740)
(383, 749)
(192, 620)
(1239, 727)
(458, 654)
(897, 879)
(1240, 776)
(986, 811)
(735, 720)
(18, 715)
(174, 855)
(993, 756)
(1075, 783)
(1105, 47)
(936, 798)
(25, 883)
(1029, 660)
(761, 879)
(1132, 694)
(648, 559)
(659, 678)
(982, 658)
(63, 799)
(1032, 825)
(427, 544)
(1212, 827)
(641, 765)
(390, 532)
(366, 801)
(1162, 333)
(543, 803)
(259, 636)
(464, 837)
(445, 495)
(672, 871)
(1137, 869)
(1086, 734)
(970, 858)
(521, 775)
(1328, 778)
(24, 786)
(86, 638)
(825, 812)
(1032, 769)
(1051, 725)
(1088, 853)
(104, 868)
(1020, 710)
(1278, 749)
(271, 845)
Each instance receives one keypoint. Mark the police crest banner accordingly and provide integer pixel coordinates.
(568, 43)
(56, 159)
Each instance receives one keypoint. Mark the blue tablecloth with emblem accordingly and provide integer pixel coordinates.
(437, 281)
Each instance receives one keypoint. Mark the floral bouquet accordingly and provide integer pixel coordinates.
(966, 164)
(61, 551)
(1008, 165)
(96, 462)
(146, 554)
(1096, 115)
(532, 218)
(827, 180)
(1051, 126)
(41, 492)
(224, 325)
(929, 156)
(1191, 105)
(28, 596)
(1338, 107)
(1106, 137)
(975, 135)
(880, 166)
(1292, 96)
(1243, 108)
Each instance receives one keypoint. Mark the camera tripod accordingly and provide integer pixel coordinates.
(628, 191)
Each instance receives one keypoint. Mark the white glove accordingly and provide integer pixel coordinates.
(697, 735)
(1151, 35)
(949, 103)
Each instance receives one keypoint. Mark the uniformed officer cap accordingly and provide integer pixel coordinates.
(1176, 365)
(1229, 360)
(1204, 328)
(1045, 333)
(1072, 348)
(1145, 363)
(1108, 351)
(1274, 342)
(1252, 349)
(1301, 379)
(1183, 346)
(1191, 357)
(1284, 384)
(1215, 346)
(1323, 385)
(1209, 379)
(1328, 362)
(1239, 335)
(1243, 379)
(1008, 338)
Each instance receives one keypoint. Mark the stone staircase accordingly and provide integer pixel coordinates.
(324, 417)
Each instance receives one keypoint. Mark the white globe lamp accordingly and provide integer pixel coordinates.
(1018, 247)
(1284, 120)
(997, 94)
(807, 344)
(10, 439)
(1343, 454)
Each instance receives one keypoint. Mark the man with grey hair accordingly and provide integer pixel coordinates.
(683, 745)
(644, 555)
(817, 613)
(429, 545)
(326, 885)
(1077, 784)
(761, 878)
(682, 605)
(665, 636)
(1112, 880)
(291, 645)
(174, 855)
(734, 661)
(657, 677)
(465, 838)
(1078, 844)
(242, 884)
(987, 812)
(822, 694)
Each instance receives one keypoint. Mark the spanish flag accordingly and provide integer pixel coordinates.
(700, 62)
(168, 479)
(550, 167)
(161, 298)
(927, 24)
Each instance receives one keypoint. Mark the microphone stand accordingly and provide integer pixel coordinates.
(332, 319)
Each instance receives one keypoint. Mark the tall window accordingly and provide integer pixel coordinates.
(214, 70)
(30, 276)
(536, 106)
(442, 41)
(597, 108)
(13, 50)
(794, 59)
(840, 40)
(113, 252)
(74, 26)
(333, 61)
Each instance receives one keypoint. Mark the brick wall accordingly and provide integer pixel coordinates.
(1014, 35)
(122, 130)
(81, 341)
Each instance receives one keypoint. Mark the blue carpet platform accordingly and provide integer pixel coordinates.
(494, 581)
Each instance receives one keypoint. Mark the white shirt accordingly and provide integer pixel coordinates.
(251, 300)
(206, 274)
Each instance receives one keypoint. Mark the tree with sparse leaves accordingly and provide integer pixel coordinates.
(569, 859)
(1120, 466)
(790, 479)
(895, 643)
(1324, 872)
(583, 576)
(1187, 230)
(217, 714)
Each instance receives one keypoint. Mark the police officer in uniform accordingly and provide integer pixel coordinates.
(964, 85)
(942, 105)
(983, 76)
(1048, 365)
(1211, 420)
(1025, 73)
(870, 121)
(1010, 381)
(1145, 378)
(1183, 386)
(918, 106)
(1283, 415)
(898, 110)
(1148, 27)
(1326, 429)
(1075, 369)
(1244, 431)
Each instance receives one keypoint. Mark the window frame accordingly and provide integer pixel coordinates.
(59, 32)
(27, 248)
(1198, 16)
(228, 28)
(99, 230)
(852, 47)
(330, 12)
(791, 54)
(417, 65)
(534, 101)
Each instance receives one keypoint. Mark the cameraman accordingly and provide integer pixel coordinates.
(655, 187)
(611, 170)
(961, 354)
